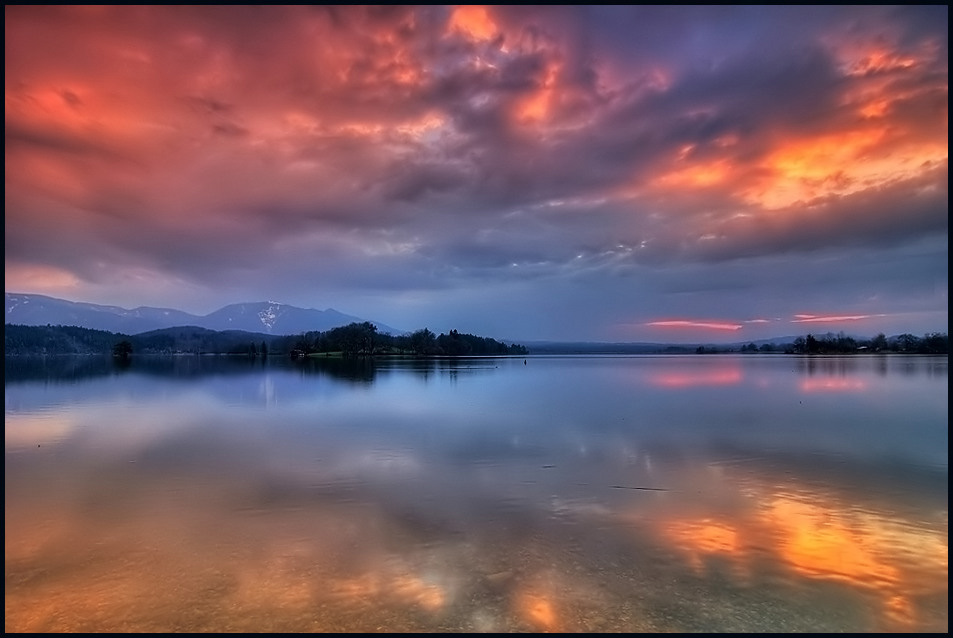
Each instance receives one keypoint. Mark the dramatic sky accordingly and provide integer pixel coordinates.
(594, 173)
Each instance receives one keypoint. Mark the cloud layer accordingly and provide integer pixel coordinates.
(610, 173)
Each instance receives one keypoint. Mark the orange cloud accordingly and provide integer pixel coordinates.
(829, 318)
(47, 279)
(697, 176)
(474, 21)
(864, 59)
(683, 323)
(536, 106)
(843, 163)
(878, 148)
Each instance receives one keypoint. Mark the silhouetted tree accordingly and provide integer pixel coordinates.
(935, 343)
(423, 341)
(123, 349)
(879, 343)
(811, 345)
(907, 343)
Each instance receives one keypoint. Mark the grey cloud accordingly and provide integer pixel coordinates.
(269, 151)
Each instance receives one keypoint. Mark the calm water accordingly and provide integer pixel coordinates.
(686, 493)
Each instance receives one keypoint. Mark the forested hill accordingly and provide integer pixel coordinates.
(353, 339)
(44, 340)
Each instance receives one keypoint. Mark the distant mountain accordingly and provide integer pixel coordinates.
(269, 317)
(40, 310)
(272, 317)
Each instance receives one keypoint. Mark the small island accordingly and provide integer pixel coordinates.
(363, 339)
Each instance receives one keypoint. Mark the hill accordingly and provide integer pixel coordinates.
(268, 317)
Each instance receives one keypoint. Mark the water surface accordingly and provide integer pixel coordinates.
(683, 493)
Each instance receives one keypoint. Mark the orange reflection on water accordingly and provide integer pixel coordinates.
(404, 588)
(706, 538)
(825, 540)
(24, 430)
(820, 544)
(857, 548)
(538, 609)
(427, 595)
(718, 376)
(833, 384)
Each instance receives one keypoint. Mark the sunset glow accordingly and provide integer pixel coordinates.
(259, 152)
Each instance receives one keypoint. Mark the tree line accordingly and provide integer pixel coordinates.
(930, 343)
(364, 339)
(355, 339)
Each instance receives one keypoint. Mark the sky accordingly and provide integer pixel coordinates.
(614, 173)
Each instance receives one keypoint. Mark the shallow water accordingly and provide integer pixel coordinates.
(683, 493)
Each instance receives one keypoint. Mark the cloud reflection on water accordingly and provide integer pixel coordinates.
(816, 537)
(444, 506)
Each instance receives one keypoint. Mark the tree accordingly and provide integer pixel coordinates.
(354, 338)
(935, 343)
(423, 341)
(811, 344)
(845, 343)
(879, 343)
(123, 349)
(907, 343)
(454, 343)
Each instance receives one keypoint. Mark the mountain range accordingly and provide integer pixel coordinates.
(269, 317)
(279, 319)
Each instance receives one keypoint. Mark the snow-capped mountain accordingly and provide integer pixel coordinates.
(273, 317)
(268, 317)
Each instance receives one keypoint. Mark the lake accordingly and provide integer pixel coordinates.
(711, 493)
